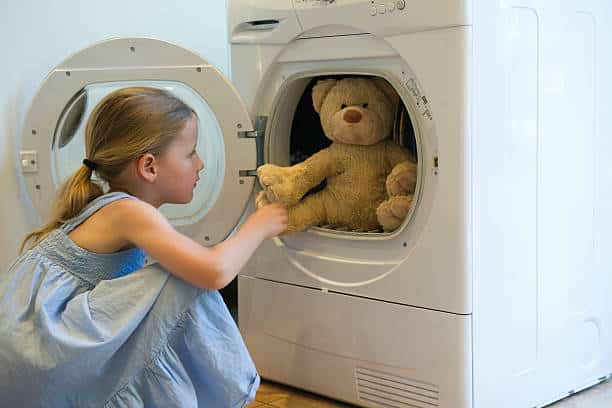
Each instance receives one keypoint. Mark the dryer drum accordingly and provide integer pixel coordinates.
(403, 132)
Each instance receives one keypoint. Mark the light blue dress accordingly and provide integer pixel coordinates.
(80, 329)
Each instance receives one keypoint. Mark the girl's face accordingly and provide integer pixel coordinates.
(179, 166)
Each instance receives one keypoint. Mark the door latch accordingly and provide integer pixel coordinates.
(29, 161)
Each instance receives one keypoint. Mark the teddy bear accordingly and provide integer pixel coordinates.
(370, 179)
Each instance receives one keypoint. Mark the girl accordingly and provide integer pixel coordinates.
(78, 328)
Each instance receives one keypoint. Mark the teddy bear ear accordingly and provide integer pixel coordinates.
(387, 89)
(320, 91)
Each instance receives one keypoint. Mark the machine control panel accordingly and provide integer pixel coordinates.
(387, 7)
(377, 7)
(381, 17)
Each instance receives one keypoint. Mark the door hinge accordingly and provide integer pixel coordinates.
(259, 135)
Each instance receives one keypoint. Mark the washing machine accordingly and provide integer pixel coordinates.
(494, 291)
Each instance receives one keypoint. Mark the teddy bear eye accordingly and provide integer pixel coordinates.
(365, 105)
(343, 106)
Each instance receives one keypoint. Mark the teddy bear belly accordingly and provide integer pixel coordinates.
(354, 206)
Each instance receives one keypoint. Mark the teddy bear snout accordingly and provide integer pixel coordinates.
(352, 116)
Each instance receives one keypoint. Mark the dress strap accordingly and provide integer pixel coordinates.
(92, 207)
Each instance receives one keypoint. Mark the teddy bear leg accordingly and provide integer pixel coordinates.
(391, 213)
(402, 179)
(302, 216)
(307, 213)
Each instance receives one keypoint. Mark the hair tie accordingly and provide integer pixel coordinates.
(91, 165)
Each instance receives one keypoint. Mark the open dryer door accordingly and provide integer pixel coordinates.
(53, 142)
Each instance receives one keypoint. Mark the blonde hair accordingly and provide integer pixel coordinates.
(126, 124)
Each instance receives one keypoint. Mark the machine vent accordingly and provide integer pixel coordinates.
(390, 391)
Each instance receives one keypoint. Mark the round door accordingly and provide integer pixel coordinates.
(53, 141)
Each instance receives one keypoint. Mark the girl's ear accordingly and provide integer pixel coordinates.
(146, 167)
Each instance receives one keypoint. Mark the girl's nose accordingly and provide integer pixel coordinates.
(200, 163)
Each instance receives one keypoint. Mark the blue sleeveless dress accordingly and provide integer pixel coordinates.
(80, 329)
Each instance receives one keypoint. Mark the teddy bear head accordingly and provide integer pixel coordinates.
(355, 110)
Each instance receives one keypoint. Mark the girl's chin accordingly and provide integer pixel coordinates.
(181, 200)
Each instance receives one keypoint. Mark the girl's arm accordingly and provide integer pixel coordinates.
(212, 268)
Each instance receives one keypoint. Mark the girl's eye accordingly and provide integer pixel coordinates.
(343, 106)
(365, 105)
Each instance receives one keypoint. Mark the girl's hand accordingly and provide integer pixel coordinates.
(271, 219)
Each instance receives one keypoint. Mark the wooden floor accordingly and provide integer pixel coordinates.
(275, 395)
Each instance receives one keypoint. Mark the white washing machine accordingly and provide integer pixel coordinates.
(495, 291)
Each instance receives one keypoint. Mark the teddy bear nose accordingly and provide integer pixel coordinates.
(352, 116)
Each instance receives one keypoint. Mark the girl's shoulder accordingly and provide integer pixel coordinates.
(120, 207)
(133, 212)
(125, 207)
(104, 224)
(125, 218)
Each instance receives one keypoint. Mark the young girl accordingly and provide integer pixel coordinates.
(79, 327)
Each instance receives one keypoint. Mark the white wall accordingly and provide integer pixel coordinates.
(37, 35)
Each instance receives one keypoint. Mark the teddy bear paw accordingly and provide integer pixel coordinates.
(278, 183)
(391, 213)
(402, 179)
(261, 200)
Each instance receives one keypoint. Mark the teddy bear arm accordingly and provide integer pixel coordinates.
(396, 154)
(311, 172)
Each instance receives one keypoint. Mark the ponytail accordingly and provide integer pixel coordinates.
(78, 191)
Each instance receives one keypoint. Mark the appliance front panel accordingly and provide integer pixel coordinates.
(427, 264)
